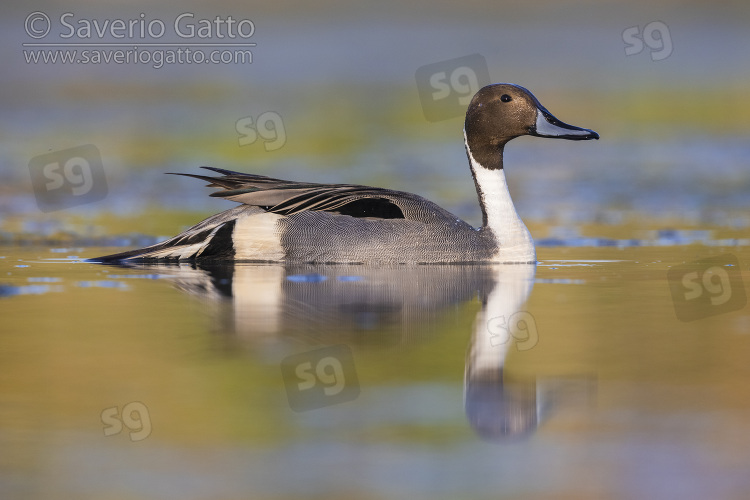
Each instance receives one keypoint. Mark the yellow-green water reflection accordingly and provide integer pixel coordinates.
(598, 380)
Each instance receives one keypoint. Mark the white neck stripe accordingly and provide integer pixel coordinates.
(503, 221)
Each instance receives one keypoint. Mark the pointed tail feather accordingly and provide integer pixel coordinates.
(210, 239)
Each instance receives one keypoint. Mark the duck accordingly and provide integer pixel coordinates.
(291, 221)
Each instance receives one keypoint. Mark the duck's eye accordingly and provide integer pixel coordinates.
(505, 98)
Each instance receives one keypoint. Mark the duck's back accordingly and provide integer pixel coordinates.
(324, 237)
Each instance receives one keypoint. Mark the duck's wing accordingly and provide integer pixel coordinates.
(213, 238)
(290, 197)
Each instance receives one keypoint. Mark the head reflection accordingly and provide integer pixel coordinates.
(500, 409)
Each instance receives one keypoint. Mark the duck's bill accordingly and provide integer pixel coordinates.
(548, 126)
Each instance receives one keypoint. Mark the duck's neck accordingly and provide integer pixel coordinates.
(499, 216)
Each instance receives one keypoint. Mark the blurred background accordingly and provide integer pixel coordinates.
(331, 96)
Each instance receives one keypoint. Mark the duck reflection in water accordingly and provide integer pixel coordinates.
(496, 407)
(321, 304)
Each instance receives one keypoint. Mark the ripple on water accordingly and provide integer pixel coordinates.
(103, 284)
(306, 278)
(560, 237)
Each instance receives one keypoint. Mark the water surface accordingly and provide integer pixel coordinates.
(570, 379)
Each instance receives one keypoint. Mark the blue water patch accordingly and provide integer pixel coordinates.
(559, 281)
(22, 265)
(10, 290)
(554, 264)
(658, 238)
(306, 278)
(141, 276)
(349, 278)
(102, 284)
(43, 280)
(580, 242)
